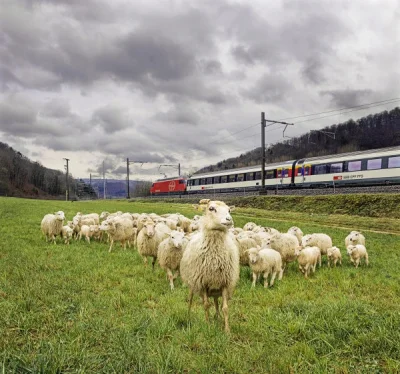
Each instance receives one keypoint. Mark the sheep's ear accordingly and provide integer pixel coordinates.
(232, 208)
(204, 201)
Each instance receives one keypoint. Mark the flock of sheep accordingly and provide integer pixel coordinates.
(207, 251)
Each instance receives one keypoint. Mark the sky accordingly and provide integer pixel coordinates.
(168, 81)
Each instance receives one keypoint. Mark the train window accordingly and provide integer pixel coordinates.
(320, 169)
(285, 173)
(224, 179)
(394, 162)
(181, 182)
(210, 180)
(374, 164)
(249, 176)
(203, 181)
(270, 174)
(196, 182)
(232, 178)
(337, 168)
(217, 180)
(307, 170)
(354, 166)
(240, 178)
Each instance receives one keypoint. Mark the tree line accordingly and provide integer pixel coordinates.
(378, 130)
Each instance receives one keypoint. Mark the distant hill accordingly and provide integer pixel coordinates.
(374, 131)
(21, 177)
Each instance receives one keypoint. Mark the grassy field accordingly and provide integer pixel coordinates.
(78, 308)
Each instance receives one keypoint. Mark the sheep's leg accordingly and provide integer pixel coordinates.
(314, 267)
(320, 260)
(266, 274)
(111, 245)
(171, 278)
(54, 239)
(357, 262)
(225, 297)
(217, 314)
(366, 259)
(280, 274)
(271, 283)
(176, 275)
(88, 239)
(340, 261)
(144, 260)
(254, 280)
(306, 271)
(154, 262)
(206, 305)
(329, 263)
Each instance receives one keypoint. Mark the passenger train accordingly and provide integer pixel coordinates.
(363, 168)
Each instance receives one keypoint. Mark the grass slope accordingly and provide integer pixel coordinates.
(81, 309)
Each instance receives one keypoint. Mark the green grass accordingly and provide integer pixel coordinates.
(78, 308)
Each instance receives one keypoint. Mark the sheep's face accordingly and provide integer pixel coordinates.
(104, 215)
(354, 237)
(60, 216)
(295, 231)
(253, 255)
(94, 229)
(106, 226)
(351, 249)
(305, 241)
(331, 251)
(218, 216)
(70, 224)
(298, 250)
(149, 228)
(249, 226)
(76, 220)
(177, 238)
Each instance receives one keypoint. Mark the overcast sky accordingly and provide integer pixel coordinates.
(168, 81)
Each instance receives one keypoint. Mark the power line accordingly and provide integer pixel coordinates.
(237, 132)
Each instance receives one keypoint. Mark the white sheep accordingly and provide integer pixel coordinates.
(356, 253)
(52, 224)
(308, 258)
(170, 253)
(355, 237)
(95, 232)
(296, 231)
(334, 256)
(78, 221)
(94, 216)
(149, 238)
(285, 244)
(322, 241)
(244, 243)
(210, 263)
(249, 226)
(265, 261)
(86, 232)
(118, 229)
(66, 233)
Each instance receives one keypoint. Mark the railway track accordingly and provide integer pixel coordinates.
(285, 192)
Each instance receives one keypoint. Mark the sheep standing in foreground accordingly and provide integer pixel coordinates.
(322, 241)
(266, 261)
(170, 253)
(285, 244)
(334, 256)
(210, 263)
(52, 225)
(307, 258)
(118, 229)
(354, 238)
(149, 238)
(66, 233)
(356, 253)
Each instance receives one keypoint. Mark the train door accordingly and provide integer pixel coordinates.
(306, 172)
(279, 175)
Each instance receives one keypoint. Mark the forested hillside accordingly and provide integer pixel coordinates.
(21, 177)
(374, 131)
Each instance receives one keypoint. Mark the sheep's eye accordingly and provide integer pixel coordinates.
(212, 209)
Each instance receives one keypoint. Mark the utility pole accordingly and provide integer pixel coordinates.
(90, 178)
(263, 125)
(66, 180)
(128, 196)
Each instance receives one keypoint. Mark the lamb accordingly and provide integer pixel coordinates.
(149, 238)
(322, 241)
(184, 223)
(249, 226)
(285, 244)
(307, 258)
(334, 256)
(170, 253)
(354, 238)
(86, 232)
(244, 243)
(94, 216)
(210, 263)
(66, 233)
(95, 232)
(52, 224)
(294, 230)
(79, 221)
(356, 253)
(266, 261)
(118, 229)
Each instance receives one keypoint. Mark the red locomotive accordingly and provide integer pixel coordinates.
(168, 186)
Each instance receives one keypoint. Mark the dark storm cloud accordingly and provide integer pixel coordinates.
(270, 88)
(179, 115)
(348, 97)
